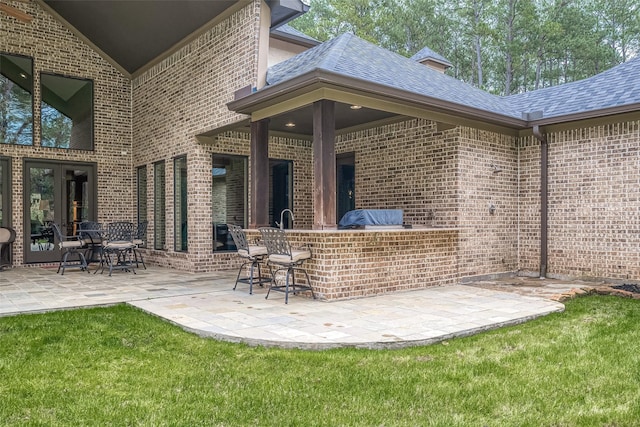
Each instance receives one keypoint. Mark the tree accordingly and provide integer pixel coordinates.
(503, 46)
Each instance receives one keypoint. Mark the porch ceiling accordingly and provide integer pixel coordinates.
(134, 33)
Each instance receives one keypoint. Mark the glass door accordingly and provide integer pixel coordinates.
(61, 193)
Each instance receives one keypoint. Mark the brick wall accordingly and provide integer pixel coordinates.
(409, 166)
(487, 177)
(594, 195)
(352, 264)
(181, 97)
(55, 49)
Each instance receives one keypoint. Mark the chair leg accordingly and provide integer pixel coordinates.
(83, 266)
(136, 252)
(253, 264)
(286, 289)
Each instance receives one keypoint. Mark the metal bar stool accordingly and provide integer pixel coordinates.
(253, 255)
(70, 245)
(288, 260)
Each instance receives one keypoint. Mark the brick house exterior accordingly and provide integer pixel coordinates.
(482, 180)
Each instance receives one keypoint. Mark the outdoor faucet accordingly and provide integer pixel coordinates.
(281, 223)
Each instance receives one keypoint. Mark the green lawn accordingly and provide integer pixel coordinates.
(118, 366)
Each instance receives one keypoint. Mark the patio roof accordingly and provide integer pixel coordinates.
(350, 70)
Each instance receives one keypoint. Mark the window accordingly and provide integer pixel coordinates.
(5, 193)
(281, 191)
(159, 206)
(16, 100)
(180, 203)
(345, 183)
(229, 198)
(66, 112)
(141, 173)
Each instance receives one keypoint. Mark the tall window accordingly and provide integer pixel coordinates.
(180, 202)
(5, 212)
(159, 206)
(16, 100)
(281, 191)
(141, 173)
(66, 112)
(229, 198)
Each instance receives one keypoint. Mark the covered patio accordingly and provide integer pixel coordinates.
(205, 304)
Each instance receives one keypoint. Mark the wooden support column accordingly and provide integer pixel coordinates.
(259, 164)
(324, 165)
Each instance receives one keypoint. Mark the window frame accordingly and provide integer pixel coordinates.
(159, 206)
(5, 194)
(180, 204)
(228, 246)
(92, 144)
(33, 111)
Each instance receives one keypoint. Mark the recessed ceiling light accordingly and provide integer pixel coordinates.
(23, 75)
(356, 107)
(290, 124)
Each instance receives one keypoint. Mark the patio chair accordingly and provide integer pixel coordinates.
(91, 233)
(117, 249)
(287, 259)
(69, 245)
(253, 255)
(7, 237)
(139, 239)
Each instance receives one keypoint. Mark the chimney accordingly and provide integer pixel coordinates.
(432, 59)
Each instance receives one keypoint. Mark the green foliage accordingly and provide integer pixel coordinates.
(119, 366)
(504, 46)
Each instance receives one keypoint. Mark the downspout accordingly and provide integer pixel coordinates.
(544, 199)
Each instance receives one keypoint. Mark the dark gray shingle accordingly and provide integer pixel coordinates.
(351, 56)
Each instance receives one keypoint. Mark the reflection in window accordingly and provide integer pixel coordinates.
(229, 198)
(180, 203)
(159, 205)
(16, 102)
(66, 112)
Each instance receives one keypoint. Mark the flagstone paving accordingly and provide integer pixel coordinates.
(204, 303)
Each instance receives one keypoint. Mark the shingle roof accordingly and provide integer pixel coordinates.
(287, 30)
(353, 57)
(615, 87)
(426, 53)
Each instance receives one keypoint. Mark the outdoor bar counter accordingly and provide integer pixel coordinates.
(355, 263)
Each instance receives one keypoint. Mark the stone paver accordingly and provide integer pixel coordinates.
(205, 303)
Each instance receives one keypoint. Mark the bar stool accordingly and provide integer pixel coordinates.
(287, 259)
(251, 254)
(70, 245)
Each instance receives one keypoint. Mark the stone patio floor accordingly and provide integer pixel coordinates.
(205, 304)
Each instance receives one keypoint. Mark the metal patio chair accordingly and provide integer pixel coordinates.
(91, 233)
(139, 239)
(7, 237)
(253, 255)
(69, 245)
(288, 260)
(117, 249)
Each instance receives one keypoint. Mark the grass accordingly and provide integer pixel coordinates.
(118, 366)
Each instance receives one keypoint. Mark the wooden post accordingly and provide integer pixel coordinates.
(324, 165)
(259, 165)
